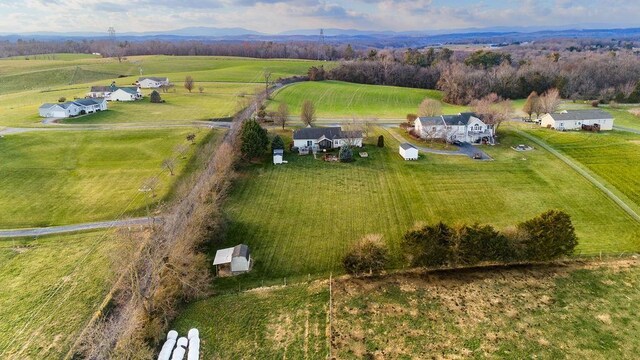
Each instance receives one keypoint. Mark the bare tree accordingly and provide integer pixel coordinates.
(169, 164)
(191, 137)
(531, 104)
(189, 83)
(627, 89)
(267, 82)
(550, 101)
(308, 114)
(282, 115)
(430, 107)
(493, 110)
(201, 89)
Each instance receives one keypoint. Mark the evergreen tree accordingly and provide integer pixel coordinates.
(155, 97)
(277, 143)
(551, 235)
(346, 154)
(380, 141)
(254, 140)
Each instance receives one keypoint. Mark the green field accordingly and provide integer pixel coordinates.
(341, 100)
(572, 311)
(613, 156)
(50, 288)
(301, 217)
(66, 177)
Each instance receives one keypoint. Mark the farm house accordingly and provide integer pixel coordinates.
(408, 151)
(578, 119)
(233, 261)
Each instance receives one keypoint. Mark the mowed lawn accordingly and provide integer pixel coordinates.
(300, 218)
(613, 156)
(341, 100)
(51, 286)
(576, 311)
(65, 177)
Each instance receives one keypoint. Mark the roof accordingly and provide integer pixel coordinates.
(103, 88)
(224, 256)
(154, 78)
(47, 105)
(327, 132)
(460, 119)
(130, 90)
(87, 102)
(407, 146)
(278, 152)
(594, 114)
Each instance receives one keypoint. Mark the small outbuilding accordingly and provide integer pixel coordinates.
(408, 151)
(278, 155)
(233, 261)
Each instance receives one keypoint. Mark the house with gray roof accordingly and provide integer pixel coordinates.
(325, 138)
(576, 119)
(115, 93)
(463, 127)
(408, 151)
(152, 82)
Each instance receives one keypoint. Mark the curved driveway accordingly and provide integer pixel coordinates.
(76, 227)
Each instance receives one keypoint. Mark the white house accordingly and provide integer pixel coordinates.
(151, 82)
(72, 108)
(114, 93)
(277, 156)
(575, 119)
(236, 259)
(408, 151)
(60, 110)
(464, 127)
(325, 138)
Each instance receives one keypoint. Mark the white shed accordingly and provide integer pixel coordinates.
(236, 260)
(277, 156)
(408, 151)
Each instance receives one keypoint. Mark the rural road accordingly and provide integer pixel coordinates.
(125, 126)
(586, 174)
(465, 150)
(76, 227)
(622, 128)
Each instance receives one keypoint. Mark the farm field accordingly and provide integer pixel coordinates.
(50, 287)
(613, 156)
(341, 100)
(625, 119)
(581, 310)
(65, 177)
(299, 218)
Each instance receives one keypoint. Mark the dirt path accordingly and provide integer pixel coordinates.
(585, 173)
(126, 126)
(13, 233)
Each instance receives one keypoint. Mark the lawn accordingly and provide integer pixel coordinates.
(624, 118)
(299, 218)
(65, 177)
(613, 156)
(50, 287)
(341, 100)
(572, 311)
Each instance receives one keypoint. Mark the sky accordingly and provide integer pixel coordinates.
(274, 16)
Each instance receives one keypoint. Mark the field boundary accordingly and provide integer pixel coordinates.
(585, 173)
(50, 230)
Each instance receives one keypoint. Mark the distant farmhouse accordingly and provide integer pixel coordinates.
(464, 127)
(73, 108)
(578, 119)
(115, 93)
(151, 82)
(325, 138)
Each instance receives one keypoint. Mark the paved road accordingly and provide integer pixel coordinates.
(77, 227)
(586, 174)
(465, 149)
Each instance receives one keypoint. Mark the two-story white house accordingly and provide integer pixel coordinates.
(464, 127)
(325, 138)
(575, 119)
(152, 82)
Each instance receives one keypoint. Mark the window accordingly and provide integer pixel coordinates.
(476, 127)
(309, 142)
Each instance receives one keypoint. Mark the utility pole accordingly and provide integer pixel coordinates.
(112, 33)
(321, 44)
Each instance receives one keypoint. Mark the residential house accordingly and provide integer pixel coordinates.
(325, 138)
(236, 259)
(151, 82)
(115, 93)
(408, 151)
(576, 119)
(464, 127)
(72, 108)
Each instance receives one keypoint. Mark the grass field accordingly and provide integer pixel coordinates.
(340, 100)
(50, 288)
(300, 218)
(573, 311)
(65, 177)
(613, 156)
